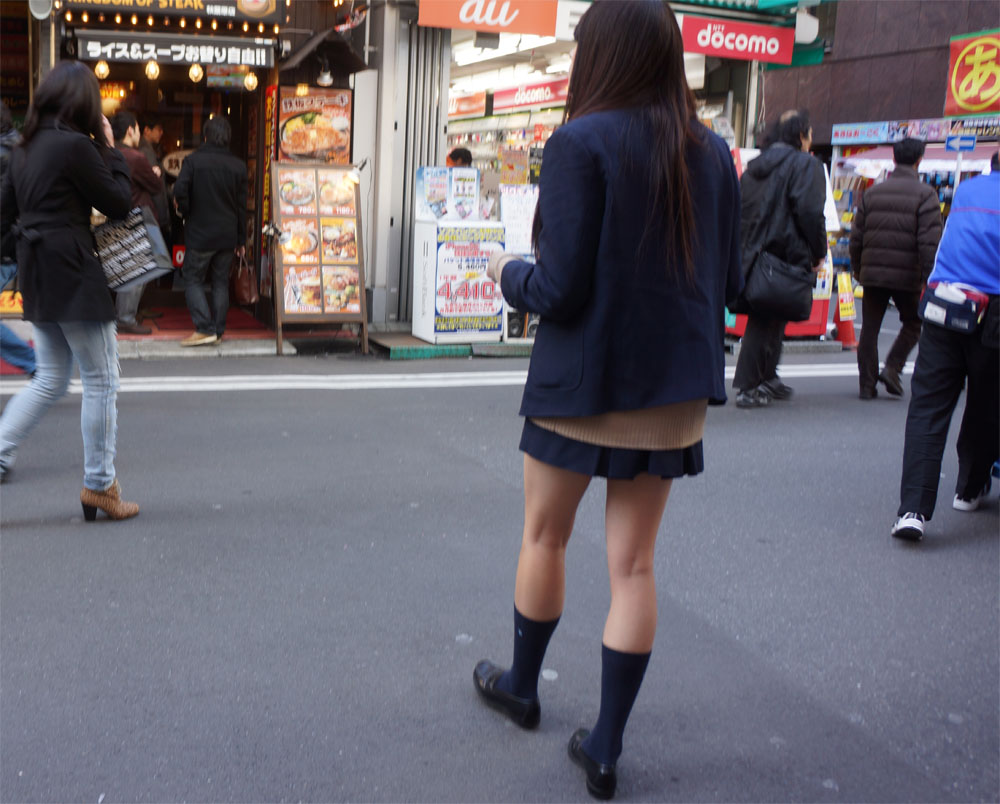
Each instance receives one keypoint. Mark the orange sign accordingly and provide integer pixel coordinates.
(496, 16)
(974, 74)
(467, 105)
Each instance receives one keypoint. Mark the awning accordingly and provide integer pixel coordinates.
(333, 46)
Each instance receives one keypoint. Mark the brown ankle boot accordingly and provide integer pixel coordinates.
(110, 501)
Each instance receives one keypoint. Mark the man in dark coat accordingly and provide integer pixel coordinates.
(894, 238)
(146, 184)
(783, 192)
(149, 142)
(211, 196)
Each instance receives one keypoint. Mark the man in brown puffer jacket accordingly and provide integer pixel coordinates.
(893, 242)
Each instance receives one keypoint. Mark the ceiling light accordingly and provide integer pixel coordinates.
(196, 73)
(152, 70)
(324, 79)
(250, 81)
(101, 69)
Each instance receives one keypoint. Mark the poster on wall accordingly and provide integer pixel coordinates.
(447, 194)
(513, 166)
(517, 213)
(320, 266)
(466, 299)
(314, 127)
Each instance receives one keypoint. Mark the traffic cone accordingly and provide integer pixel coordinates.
(845, 331)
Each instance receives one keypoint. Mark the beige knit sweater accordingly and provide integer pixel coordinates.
(665, 427)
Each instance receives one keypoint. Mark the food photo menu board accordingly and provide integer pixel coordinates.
(315, 126)
(320, 267)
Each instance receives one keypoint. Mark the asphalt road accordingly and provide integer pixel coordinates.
(295, 614)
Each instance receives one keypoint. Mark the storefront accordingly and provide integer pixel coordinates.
(862, 156)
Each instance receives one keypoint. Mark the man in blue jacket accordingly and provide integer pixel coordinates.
(969, 255)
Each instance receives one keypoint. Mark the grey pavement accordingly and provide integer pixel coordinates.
(295, 614)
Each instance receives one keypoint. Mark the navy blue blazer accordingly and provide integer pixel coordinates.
(618, 330)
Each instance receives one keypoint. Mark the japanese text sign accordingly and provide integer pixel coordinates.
(974, 74)
(498, 16)
(738, 40)
(173, 49)
(266, 11)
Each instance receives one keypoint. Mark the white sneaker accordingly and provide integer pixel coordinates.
(962, 504)
(909, 527)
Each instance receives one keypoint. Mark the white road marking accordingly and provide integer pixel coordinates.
(376, 382)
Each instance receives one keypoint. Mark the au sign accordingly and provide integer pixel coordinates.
(974, 74)
(496, 16)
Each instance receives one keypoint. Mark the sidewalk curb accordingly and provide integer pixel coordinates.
(168, 350)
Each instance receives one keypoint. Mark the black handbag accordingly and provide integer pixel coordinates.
(775, 289)
(132, 251)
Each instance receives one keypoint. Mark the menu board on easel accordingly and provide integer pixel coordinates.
(319, 271)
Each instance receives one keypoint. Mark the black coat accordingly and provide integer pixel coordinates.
(621, 329)
(211, 195)
(784, 190)
(895, 233)
(48, 191)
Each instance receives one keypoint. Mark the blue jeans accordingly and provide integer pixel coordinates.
(12, 348)
(95, 347)
(15, 351)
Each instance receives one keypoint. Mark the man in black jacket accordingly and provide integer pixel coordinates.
(783, 191)
(893, 241)
(211, 196)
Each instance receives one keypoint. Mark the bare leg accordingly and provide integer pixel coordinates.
(633, 512)
(551, 497)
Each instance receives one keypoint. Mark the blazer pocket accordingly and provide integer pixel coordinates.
(557, 357)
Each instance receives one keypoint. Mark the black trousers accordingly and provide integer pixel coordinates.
(873, 307)
(760, 352)
(945, 361)
(215, 265)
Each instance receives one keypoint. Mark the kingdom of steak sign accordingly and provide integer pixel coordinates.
(738, 40)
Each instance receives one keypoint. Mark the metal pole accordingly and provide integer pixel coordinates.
(958, 170)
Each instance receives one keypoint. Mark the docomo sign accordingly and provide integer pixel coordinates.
(549, 93)
(738, 40)
(536, 17)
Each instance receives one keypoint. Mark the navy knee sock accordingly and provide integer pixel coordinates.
(621, 677)
(531, 638)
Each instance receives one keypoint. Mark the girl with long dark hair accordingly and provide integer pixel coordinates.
(66, 165)
(637, 251)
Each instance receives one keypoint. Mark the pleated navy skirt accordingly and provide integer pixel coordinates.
(615, 463)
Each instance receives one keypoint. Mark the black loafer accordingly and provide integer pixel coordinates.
(525, 712)
(601, 778)
(890, 379)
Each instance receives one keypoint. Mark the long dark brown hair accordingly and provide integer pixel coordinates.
(70, 95)
(630, 54)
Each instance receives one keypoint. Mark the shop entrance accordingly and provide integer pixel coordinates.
(182, 106)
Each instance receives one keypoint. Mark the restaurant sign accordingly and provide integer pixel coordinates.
(267, 11)
(140, 46)
(974, 74)
(738, 40)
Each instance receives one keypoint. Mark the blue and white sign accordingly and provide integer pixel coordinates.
(960, 142)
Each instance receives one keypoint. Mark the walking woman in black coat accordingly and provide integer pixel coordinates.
(66, 165)
(637, 245)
